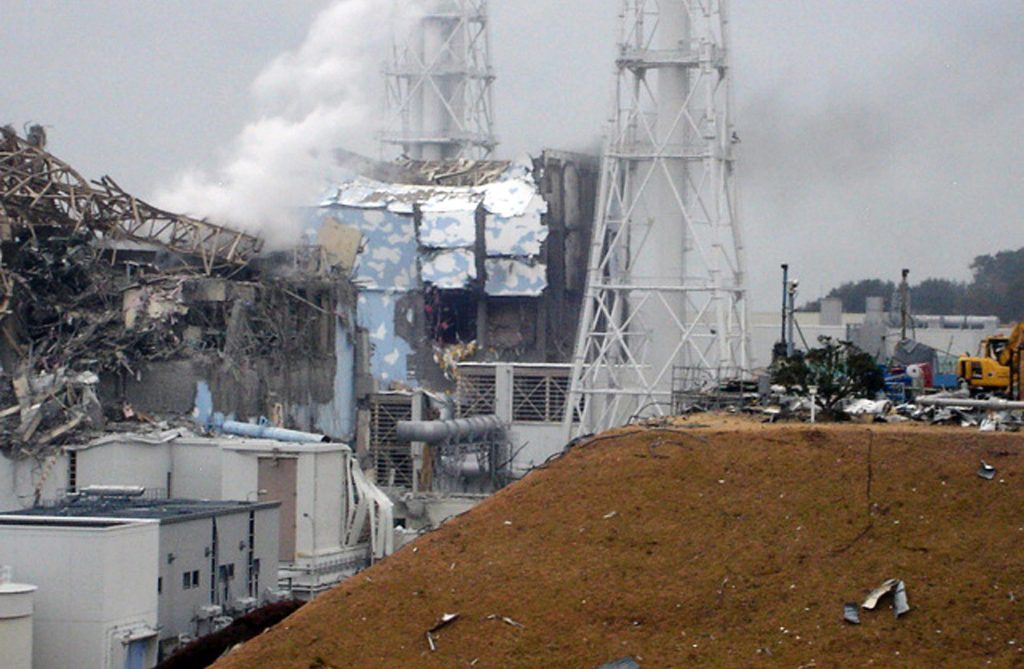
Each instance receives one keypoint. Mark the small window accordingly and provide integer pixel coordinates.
(159, 585)
(195, 579)
(186, 581)
(227, 571)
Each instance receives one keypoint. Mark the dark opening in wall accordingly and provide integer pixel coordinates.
(451, 315)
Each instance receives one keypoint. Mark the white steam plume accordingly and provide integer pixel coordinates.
(312, 101)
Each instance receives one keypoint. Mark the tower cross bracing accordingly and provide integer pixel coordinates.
(439, 81)
(666, 285)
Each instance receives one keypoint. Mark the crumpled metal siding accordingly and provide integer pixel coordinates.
(448, 229)
(449, 269)
(519, 236)
(390, 353)
(396, 258)
(385, 270)
(515, 277)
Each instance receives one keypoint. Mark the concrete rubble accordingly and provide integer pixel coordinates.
(97, 285)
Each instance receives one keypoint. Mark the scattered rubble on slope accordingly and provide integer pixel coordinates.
(722, 552)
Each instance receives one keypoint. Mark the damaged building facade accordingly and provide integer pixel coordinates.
(405, 363)
(118, 315)
(469, 277)
(432, 291)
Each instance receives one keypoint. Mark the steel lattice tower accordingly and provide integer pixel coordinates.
(666, 287)
(439, 102)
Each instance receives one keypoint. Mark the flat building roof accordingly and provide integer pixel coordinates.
(164, 510)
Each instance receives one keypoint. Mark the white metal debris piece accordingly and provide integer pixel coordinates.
(899, 590)
(986, 471)
(872, 600)
(445, 620)
(899, 600)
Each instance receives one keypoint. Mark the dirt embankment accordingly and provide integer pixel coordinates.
(732, 546)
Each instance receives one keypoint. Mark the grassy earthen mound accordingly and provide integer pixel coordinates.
(732, 546)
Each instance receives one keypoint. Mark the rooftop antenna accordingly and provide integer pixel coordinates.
(665, 307)
(439, 80)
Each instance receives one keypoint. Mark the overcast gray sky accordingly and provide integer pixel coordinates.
(875, 134)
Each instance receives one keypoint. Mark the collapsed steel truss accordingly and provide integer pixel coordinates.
(36, 186)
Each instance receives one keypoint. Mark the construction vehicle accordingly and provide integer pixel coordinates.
(997, 367)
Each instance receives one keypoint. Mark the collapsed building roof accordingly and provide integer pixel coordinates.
(460, 172)
(36, 188)
(95, 281)
(733, 545)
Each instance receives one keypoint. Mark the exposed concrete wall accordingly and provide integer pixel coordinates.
(21, 479)
(313, 393)
(569, 184)
(125, 463)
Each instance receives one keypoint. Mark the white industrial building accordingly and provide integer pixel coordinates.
(96, 606)
(212, 560)
(326, 502)
(876, 331)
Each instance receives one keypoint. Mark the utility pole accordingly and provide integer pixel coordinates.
(904, 305)
(666, 285)
(439, 81)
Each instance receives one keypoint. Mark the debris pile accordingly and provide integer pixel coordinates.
(94, 282)
(736, 544)
(956, 408)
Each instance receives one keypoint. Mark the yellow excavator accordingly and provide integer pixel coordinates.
(997, 367)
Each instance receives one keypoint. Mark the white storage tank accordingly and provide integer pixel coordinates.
(15, 622)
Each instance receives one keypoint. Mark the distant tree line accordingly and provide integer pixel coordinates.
(996, 289)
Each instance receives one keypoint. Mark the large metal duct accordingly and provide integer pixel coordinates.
(438, 431)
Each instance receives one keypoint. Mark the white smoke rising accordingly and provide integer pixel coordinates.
(320, 97)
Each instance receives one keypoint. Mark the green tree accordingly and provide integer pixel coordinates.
(939, 297)
(855, 294)
(998, 286)
(838, 369)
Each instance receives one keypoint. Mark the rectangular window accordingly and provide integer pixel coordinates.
(195, 579)
(73, 471)
(186, 581)
(159, 586)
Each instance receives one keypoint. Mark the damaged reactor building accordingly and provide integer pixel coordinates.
(306, 410)
(407, 359)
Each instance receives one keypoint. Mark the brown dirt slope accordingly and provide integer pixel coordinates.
(734, 546)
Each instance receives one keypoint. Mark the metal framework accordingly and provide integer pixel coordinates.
(36, 186)
(666, 285)
(439, 102)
